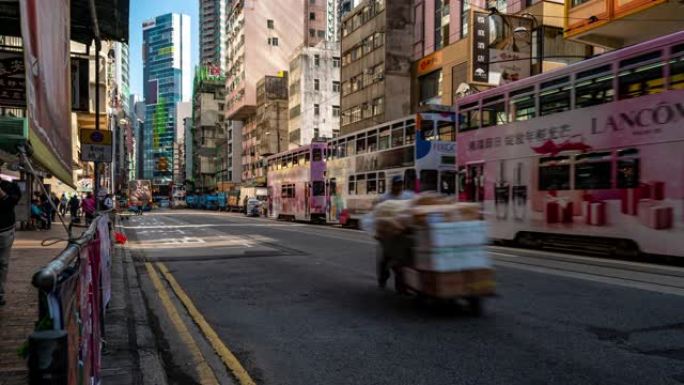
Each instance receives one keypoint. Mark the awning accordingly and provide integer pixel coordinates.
(112, 17)
(47, 160)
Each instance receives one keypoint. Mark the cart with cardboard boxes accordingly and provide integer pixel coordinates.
(436, 248)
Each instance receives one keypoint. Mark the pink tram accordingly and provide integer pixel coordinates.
(590, 155)
(296, 184)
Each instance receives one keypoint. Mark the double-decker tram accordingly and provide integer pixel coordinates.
(296, 184)
(590, 155)
(360, 166)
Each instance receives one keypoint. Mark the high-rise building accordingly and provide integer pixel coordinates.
(377, 38)
(208, 127)
(137, 120)
(212, 29)
(167, 77)
(314, 97)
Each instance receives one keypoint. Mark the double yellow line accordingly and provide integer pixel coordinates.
(206, 375)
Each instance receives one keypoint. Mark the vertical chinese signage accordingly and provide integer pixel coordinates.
(480, 39)
(501, 48)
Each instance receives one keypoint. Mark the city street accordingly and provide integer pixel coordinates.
(298, 304)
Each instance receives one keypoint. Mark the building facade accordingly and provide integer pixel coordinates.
(314, 94)
(167, 80)
(272, 30)
(212, 25)
(208, 128)
(267, 134)
(443, 53)
(183, 112)
(376, 63)
(613, 24)
(229, 154)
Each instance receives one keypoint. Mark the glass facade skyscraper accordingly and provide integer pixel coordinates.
(167, 76)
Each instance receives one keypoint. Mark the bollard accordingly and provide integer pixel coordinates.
(48, 358)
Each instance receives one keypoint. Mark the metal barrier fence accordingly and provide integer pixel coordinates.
(74, 290)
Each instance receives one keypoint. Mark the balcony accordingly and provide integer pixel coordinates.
(614, 24)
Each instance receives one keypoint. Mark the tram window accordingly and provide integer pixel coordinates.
(351, 185)
(342, 150)
(361, 144)
(301, 159)
(448, 183)
(283, 162)
(470, 120)
(522, 108)
(410, 179)
(361, 185)
(595, 90)
(397, 137)
(427, 129)
(372, 143)
(410, 132)
(428, 180)
(381, 183)
(554, 173)
(448, 160)
(384, 140)
(372, 184)
(554, 100)
(317, 154)
(593, 171)
(446, 131)
(351, 147)
(494, 114)
(641, 81)
(677, 72)
(628, 166)
(318, 188)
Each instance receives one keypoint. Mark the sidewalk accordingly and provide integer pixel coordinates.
(129, 341)
(19, 315)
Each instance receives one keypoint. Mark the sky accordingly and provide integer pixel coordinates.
(142, 10)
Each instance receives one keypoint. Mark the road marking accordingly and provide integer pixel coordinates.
(221, 349)
(206, 375)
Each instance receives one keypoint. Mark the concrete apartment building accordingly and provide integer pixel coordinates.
(229, 154)
(183, 112)
(314, 94)
(208, 128)
(377, 38)
(212, 32)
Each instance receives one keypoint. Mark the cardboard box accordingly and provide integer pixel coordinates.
(451, 234)
(476, 282)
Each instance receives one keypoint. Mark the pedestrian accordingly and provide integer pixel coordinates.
(139, 205)
(108, 202)
(55, 205)
(9, 197)
(88, 205)
(63, 203)
(38, 217)
(46, 205)
(74, 205)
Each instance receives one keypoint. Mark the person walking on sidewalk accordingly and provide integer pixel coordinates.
(46, 205)
(88, 206)
(63, 202)
(74, 205)
(9, 197)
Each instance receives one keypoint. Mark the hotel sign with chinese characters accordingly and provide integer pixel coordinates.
(501, 48)
(12, 79)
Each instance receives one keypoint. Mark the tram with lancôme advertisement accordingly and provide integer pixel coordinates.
(419, 148)
(589, 156)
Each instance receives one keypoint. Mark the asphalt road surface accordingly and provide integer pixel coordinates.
(298, 304)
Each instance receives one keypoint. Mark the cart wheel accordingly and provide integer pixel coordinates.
(476, 306)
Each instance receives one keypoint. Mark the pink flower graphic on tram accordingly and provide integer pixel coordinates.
(550, 147)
